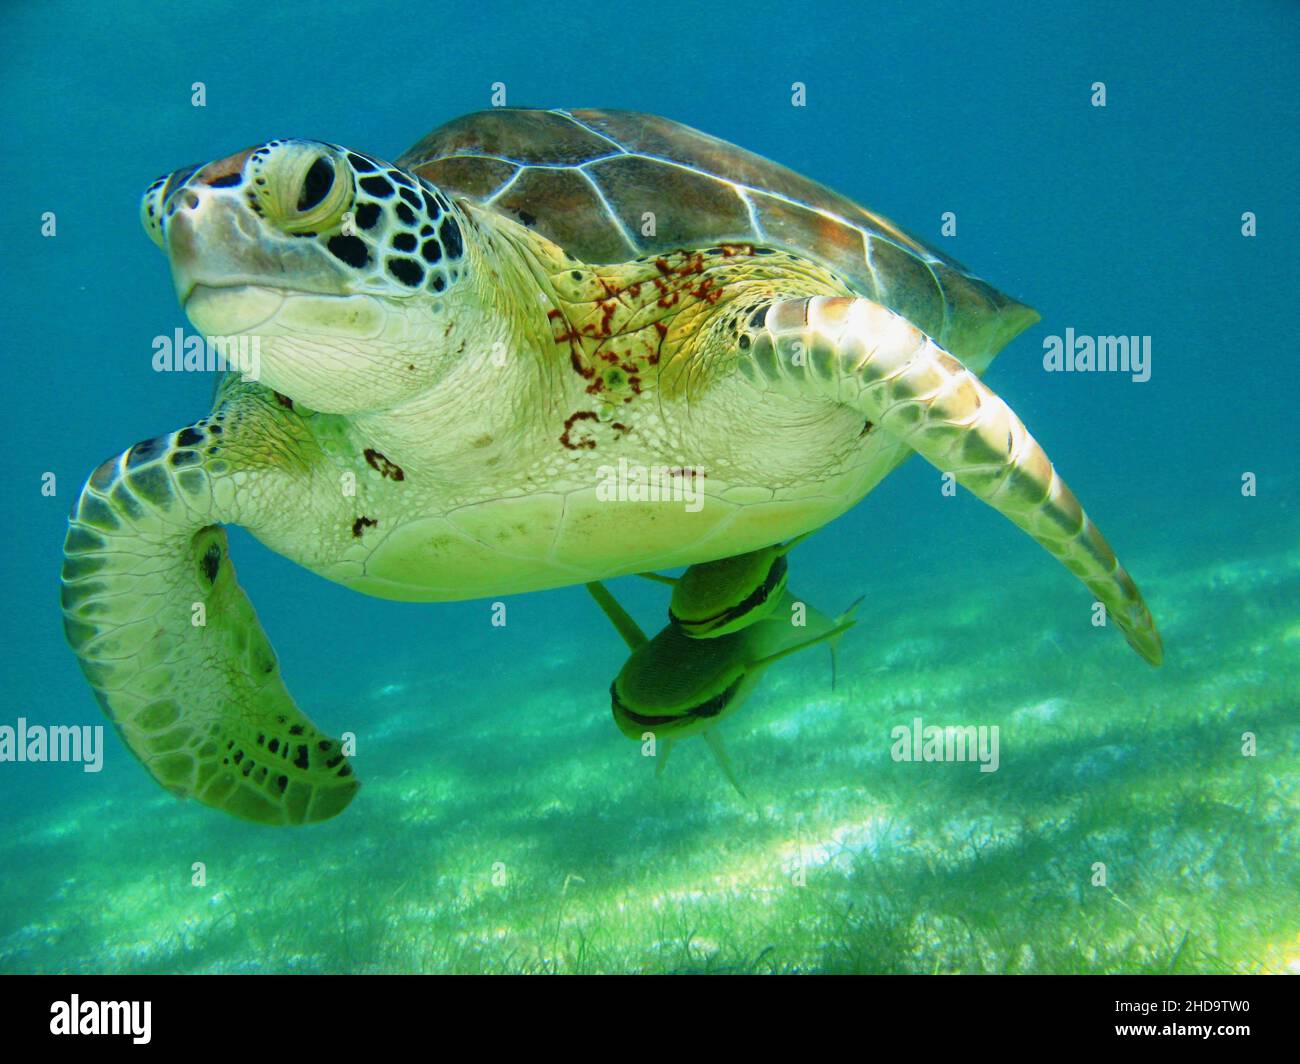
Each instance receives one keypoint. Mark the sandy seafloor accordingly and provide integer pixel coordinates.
(521, 832)
(504, 824)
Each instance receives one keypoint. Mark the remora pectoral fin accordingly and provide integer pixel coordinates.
(863, 355)
(176, 656)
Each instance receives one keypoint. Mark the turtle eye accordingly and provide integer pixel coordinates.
(316, 185)
(300, 186)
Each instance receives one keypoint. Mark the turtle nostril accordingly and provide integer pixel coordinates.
(317, 184)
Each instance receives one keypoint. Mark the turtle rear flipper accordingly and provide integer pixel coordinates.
(174, 651)
(865, 356)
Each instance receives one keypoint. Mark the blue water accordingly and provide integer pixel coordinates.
(482, 745)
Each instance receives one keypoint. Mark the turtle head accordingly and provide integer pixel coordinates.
(346, 269)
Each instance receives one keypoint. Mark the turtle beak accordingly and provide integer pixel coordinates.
(224, 173)
(207, 243)
(154, 201)
(220, 233)
(151, 211)
(219, 263)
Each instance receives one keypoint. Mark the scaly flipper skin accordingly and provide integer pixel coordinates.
(201, 705)
(859, 353)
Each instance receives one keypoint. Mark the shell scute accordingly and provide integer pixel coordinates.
(586, 179)
(572, 201)
(686, 206)
(527, 137)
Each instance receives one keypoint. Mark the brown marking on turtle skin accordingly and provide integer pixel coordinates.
(661, 330)
(227, 167)
(361, 524)
(383, 466)
(621, 317)
(575, 360)
(568, 334)
(284, 400)
(682, 471)
(586, 443)
(707, 292)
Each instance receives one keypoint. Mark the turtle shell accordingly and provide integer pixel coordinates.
(586, 180)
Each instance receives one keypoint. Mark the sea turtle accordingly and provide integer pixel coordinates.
(456, 356)
(676, 685)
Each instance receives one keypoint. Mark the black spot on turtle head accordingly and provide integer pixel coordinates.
(431, 251)
(361, 164)
(376, 186)
(438, 283)
(349, 249)
(411, 196)
(404, 242)
(367, 215)
(431, 207)
(399, 178)
(406, 214)
(408, 271)
(451, 242)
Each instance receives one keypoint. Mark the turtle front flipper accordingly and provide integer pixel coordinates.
(863, 355)
(173, 649)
